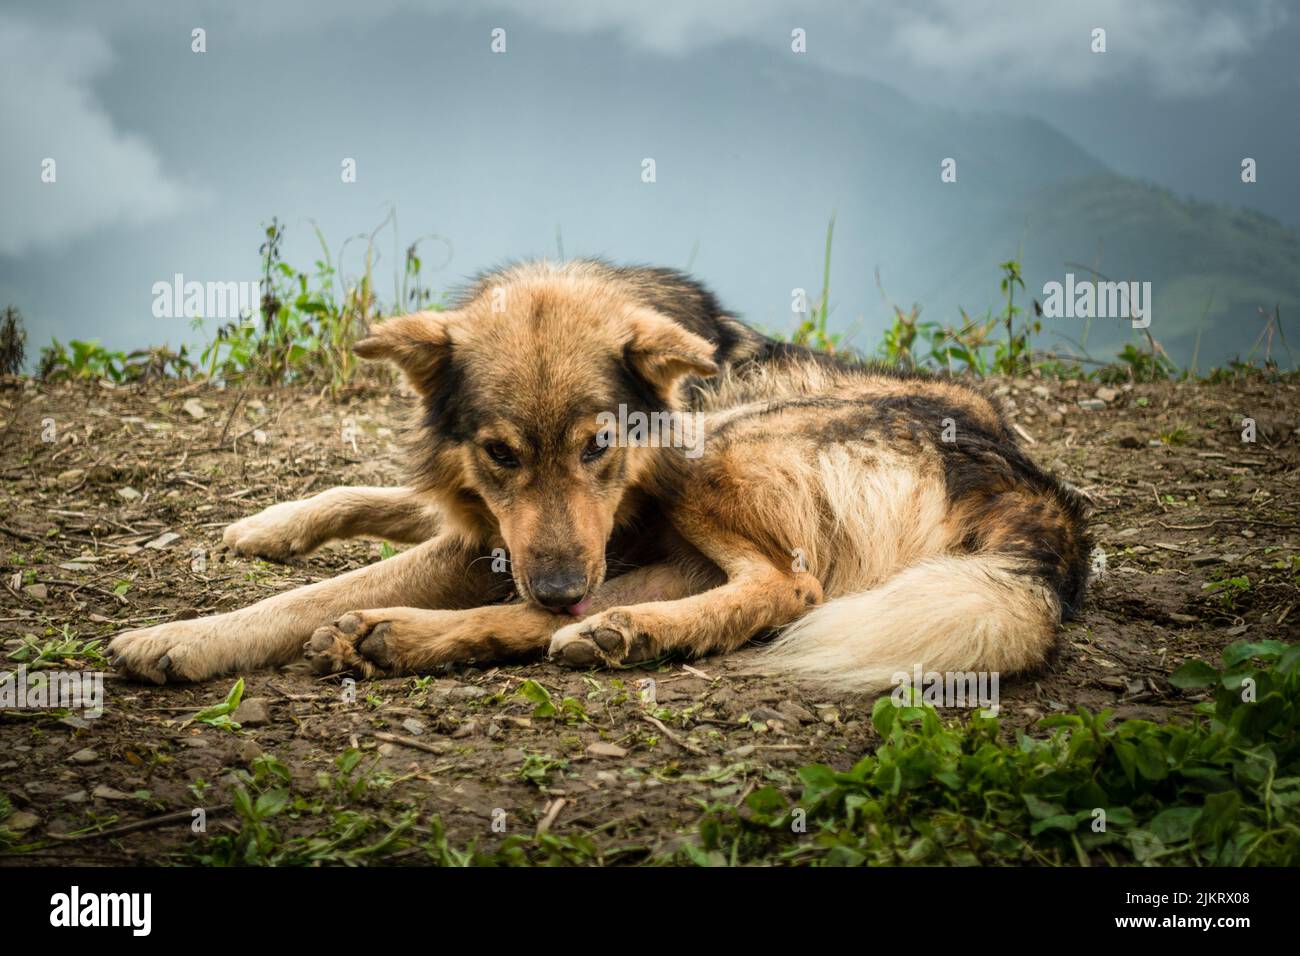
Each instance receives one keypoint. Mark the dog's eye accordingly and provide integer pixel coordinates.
(500, 453)
(597, 445)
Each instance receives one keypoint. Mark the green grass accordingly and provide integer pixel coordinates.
(311, 319)
(1223, 790)
(36, 653)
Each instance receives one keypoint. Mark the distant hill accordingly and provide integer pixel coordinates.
(1211, 267)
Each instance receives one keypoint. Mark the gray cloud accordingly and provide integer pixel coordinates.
(104, 175)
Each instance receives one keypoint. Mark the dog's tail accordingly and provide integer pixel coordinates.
(980, 612)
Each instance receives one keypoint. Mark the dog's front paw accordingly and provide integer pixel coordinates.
(178, 651)
(358, 641)
(279, 533)
(611, 638)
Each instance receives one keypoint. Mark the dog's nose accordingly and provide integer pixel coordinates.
(559, 588)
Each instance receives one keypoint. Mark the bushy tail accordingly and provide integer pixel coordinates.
(978, 612)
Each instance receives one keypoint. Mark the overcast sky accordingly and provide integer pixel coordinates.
(169, 161)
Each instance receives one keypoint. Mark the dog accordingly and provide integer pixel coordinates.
(870, 519)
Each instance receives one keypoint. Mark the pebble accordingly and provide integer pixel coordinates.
(105, 792)
(466, 692)
(796, 712)
(248, 751)
(22, 820)
(252, 712)
(602, 748)
(413, 727)
(85, 755)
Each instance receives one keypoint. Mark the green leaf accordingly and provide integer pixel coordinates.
(1175, 824)
(227, 706)
(1152, 762)
(1194, 674)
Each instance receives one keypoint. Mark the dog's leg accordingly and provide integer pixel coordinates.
(298, 527)
(756, 596)
(402, 639)
(444, 572)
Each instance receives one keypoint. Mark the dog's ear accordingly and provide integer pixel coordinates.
(417, 343)
(662, 352)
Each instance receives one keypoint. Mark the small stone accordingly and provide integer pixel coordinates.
(796, 712)
(127, 493)
(71, 476)
(467, 729)
(75, 722)
(164, 540)
(194, 408)
(1201, 560)
(22, 821)
(1091, 404)
(252, 712)
(413, 727)
(602, 748)
(1107, 394)
(764, 714)
(105, 792)
(38, 592)
(259, 437)
(85, 755)
(248, 751)
(77, 796)
(466, 692)
(744, 750)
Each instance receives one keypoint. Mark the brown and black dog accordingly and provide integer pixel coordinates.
(876, 520)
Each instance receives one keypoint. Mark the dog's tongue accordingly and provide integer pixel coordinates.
(579, 609)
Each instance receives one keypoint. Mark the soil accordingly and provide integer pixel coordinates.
(94, 477)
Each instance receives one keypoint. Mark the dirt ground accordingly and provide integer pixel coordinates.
(111, 510)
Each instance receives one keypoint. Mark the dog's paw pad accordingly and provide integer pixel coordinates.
(579, 652)
(609, 639)
(375, 646)
(350, 644)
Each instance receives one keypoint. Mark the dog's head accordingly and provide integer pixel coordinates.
(519, 385)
